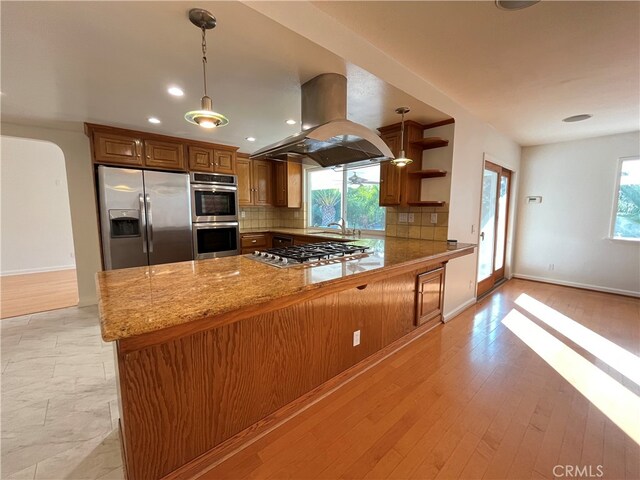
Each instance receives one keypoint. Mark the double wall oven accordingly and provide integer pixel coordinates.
(214, 215)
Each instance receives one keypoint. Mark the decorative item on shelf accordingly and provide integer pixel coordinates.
(402, 159)
(205, 117)
(451, 243)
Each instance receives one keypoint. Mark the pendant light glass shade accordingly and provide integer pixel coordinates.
(401, 160)
(205, 117)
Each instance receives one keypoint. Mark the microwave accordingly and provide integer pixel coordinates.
(214, 198)
(218, 239)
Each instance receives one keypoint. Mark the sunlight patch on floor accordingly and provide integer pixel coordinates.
(613, 355)
(614, 400)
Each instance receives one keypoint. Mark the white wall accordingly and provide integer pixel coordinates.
(35, 217)
(473, 137)
(569, 229)
(77, 155)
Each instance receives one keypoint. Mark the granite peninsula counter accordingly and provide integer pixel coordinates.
(206, 350)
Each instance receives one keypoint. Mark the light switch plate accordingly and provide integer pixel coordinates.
(402, 218)
(243, 214)
(412, 218)
(356, 338)
(434, 218)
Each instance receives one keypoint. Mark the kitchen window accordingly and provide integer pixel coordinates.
(625, 223)
(353, 195)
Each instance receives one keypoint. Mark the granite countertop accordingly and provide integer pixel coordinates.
(135, 301)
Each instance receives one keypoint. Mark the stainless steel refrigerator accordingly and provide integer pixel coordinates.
(145, 217)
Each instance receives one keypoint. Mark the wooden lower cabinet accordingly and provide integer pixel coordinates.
(251, 242)
(430, 296)
(182, 397)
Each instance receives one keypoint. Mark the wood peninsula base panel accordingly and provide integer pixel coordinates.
(181, 398)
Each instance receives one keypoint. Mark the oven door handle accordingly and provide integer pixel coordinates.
(150, 221)
(213, 188)
(200, 226)
(143, 220)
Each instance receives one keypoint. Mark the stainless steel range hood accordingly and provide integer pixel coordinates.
(330, 139)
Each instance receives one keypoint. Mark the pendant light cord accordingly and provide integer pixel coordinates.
(204, 59)
(402, 134)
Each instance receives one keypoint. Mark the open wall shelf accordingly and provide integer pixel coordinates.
(426, 203)
(430, 142)
(431, 173)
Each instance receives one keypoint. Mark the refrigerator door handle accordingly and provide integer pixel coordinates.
(143, 219)
(150, 221)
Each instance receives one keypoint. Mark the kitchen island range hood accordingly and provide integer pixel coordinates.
(330, 140)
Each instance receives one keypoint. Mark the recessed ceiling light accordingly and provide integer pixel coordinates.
(577, 118)
(250, 139)
(515, 4)
(175, 91)
(153, 120)
(291, 122)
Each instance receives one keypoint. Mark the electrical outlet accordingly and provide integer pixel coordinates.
(356, 338)
(402, 218)
(473, 229)
(243, 214)
(552, 267)
(434, 218)
(296, 214)
(470, 284)
(412, 218)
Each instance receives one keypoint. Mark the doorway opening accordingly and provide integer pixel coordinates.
(37, 259)
(494, 225)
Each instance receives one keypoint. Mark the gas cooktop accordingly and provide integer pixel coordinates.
(311, 254)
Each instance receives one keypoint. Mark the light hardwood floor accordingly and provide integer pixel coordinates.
(37, 292)
(468, 400)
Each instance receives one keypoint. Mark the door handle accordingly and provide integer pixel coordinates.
(143, 218)
(150, 221)
(482, 235)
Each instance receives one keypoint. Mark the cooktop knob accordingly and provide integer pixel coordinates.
(264, 254)
(256, 253)
(284, 260)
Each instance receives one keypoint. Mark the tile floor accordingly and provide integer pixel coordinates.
(59, 407)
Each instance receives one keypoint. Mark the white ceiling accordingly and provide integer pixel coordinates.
(111, 63)
(521, 71)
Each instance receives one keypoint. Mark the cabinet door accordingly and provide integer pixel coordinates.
(200, 159)
(118, 149)
(223, 162)
(166, 155)
(429, 296)
(245, 181)
(390, 175)
(280, 194)
(261, 182)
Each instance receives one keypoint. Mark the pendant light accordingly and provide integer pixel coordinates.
(402, 159)
(205, 117)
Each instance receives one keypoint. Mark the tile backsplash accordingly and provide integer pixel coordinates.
(409, 222)
(270, 217)
(415, 222)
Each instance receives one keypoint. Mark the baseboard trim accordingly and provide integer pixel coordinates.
(28, 271)
(218, 454)
(457, 311)
(583, 286)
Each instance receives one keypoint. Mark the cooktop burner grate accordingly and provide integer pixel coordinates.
(312, 252)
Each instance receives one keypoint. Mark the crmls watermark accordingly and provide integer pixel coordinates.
(578, 471)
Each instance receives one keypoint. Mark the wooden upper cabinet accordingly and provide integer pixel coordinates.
(254, 181)
(261, 182)
(211, 160)
(390, 175)
(288, 184)
(224, 161)
(165, 155)
(200, 159)
(117, 149)
(245, 180)
(117, 146)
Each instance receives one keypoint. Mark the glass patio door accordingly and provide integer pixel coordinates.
(496, 184)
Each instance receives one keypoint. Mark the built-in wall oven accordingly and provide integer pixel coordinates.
(214, 213)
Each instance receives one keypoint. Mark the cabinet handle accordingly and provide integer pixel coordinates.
(148, 156)
(362, 287)
(254, 241)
